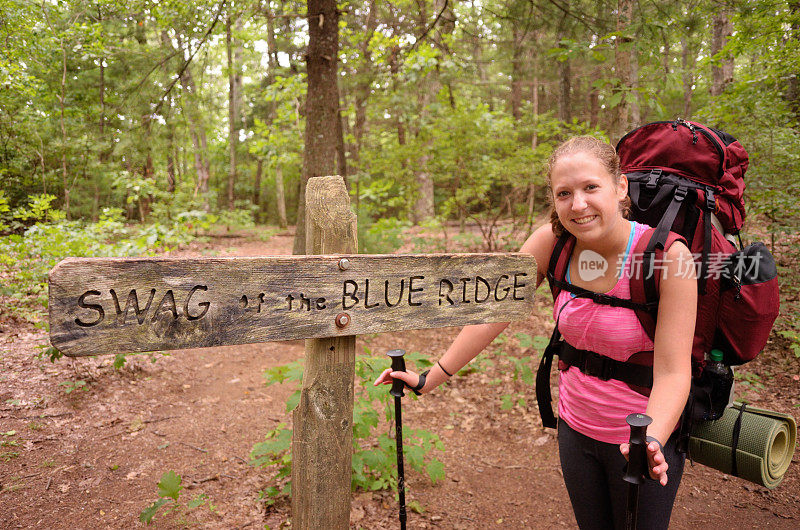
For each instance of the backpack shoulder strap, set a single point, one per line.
(559, 261)
(646, 270)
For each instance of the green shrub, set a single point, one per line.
(374, 459)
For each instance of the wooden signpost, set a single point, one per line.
(146, 304)
(104, 305)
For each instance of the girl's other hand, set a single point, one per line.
(656, 462)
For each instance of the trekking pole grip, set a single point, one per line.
(398, 365)
(637, 456)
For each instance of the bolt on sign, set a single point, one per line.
(100, 305)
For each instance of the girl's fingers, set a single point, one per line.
(388, 376)
(383, 378)
(409, 378)
(656, 461)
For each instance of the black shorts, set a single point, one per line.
(593, 474)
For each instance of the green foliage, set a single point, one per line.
(28, 257)
(374, 458)
(71, 386)
(747, 382)
(237, 218)
(794, 341)
(6, 456)
(169, 492)
(374, 466)
(538, 342)
(48, 351)
(275, 451)
(383, 236)
(4, 209)
(521, 367)
(170, 485)
(430, 236)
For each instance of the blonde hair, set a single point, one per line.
(603, 152)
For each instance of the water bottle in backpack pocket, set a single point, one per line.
(717, 378)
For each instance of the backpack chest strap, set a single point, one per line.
(601, 298)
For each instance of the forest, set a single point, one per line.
(163, 119)
(144, 128)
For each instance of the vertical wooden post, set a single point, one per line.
(323, 430)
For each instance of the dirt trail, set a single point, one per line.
(92, 458)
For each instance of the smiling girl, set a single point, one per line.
(589, 196)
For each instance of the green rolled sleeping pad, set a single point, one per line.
(766, 444)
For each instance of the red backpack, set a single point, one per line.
(687, 181)
(688, 178)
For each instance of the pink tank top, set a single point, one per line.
(590, 406)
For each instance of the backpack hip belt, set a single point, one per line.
(638, 376)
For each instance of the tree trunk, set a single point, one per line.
(272, 51)
(196, 129)
(516, 72)
(564, 75)
(341, 152)
(364, 78)
(233, 134)
(394, 68)
(793, 84)
(180, 156)
(665, 59)
(633, 82)
(477, 56)
(535, 135)
(102, 124)
(172, 166)
(445, 27)
(721, 67)
(623, 49)
(688, 59)
(280, 196)
(594, 97)
(62, 96)
(423, 208)
(200, 144)
(171, 179)
(257, 188)
(322, 103)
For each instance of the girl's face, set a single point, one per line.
(586, 197)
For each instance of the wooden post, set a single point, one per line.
(323, 431)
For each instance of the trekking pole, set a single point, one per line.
(399, 365)
(637, 465)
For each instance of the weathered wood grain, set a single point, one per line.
(323, 431)
(113, 305)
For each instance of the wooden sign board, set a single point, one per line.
(121, 305)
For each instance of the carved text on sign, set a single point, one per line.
(192, 310)
(101, 305)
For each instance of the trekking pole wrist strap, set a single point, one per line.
(420, 383)
(654, 439)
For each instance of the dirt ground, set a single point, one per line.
(91, 458)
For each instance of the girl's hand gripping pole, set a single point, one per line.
(398, 365)
(637, 464)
